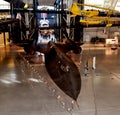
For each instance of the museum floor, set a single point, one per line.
(22, 92)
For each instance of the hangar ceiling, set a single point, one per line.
(103, 3)
(51, 2)
(41, 2)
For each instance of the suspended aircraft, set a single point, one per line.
(86, 13)
(90, 22)
(98, 20)
(92, 17)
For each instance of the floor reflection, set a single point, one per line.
(109, 51)
(8, 69)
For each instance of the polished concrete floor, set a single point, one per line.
(26, 90)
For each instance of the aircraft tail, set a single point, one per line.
(75, 10)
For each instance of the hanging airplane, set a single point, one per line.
(90, 22)
(99, 20)
(92, 17)
(75, 10)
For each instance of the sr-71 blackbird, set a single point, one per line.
(60, 67)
